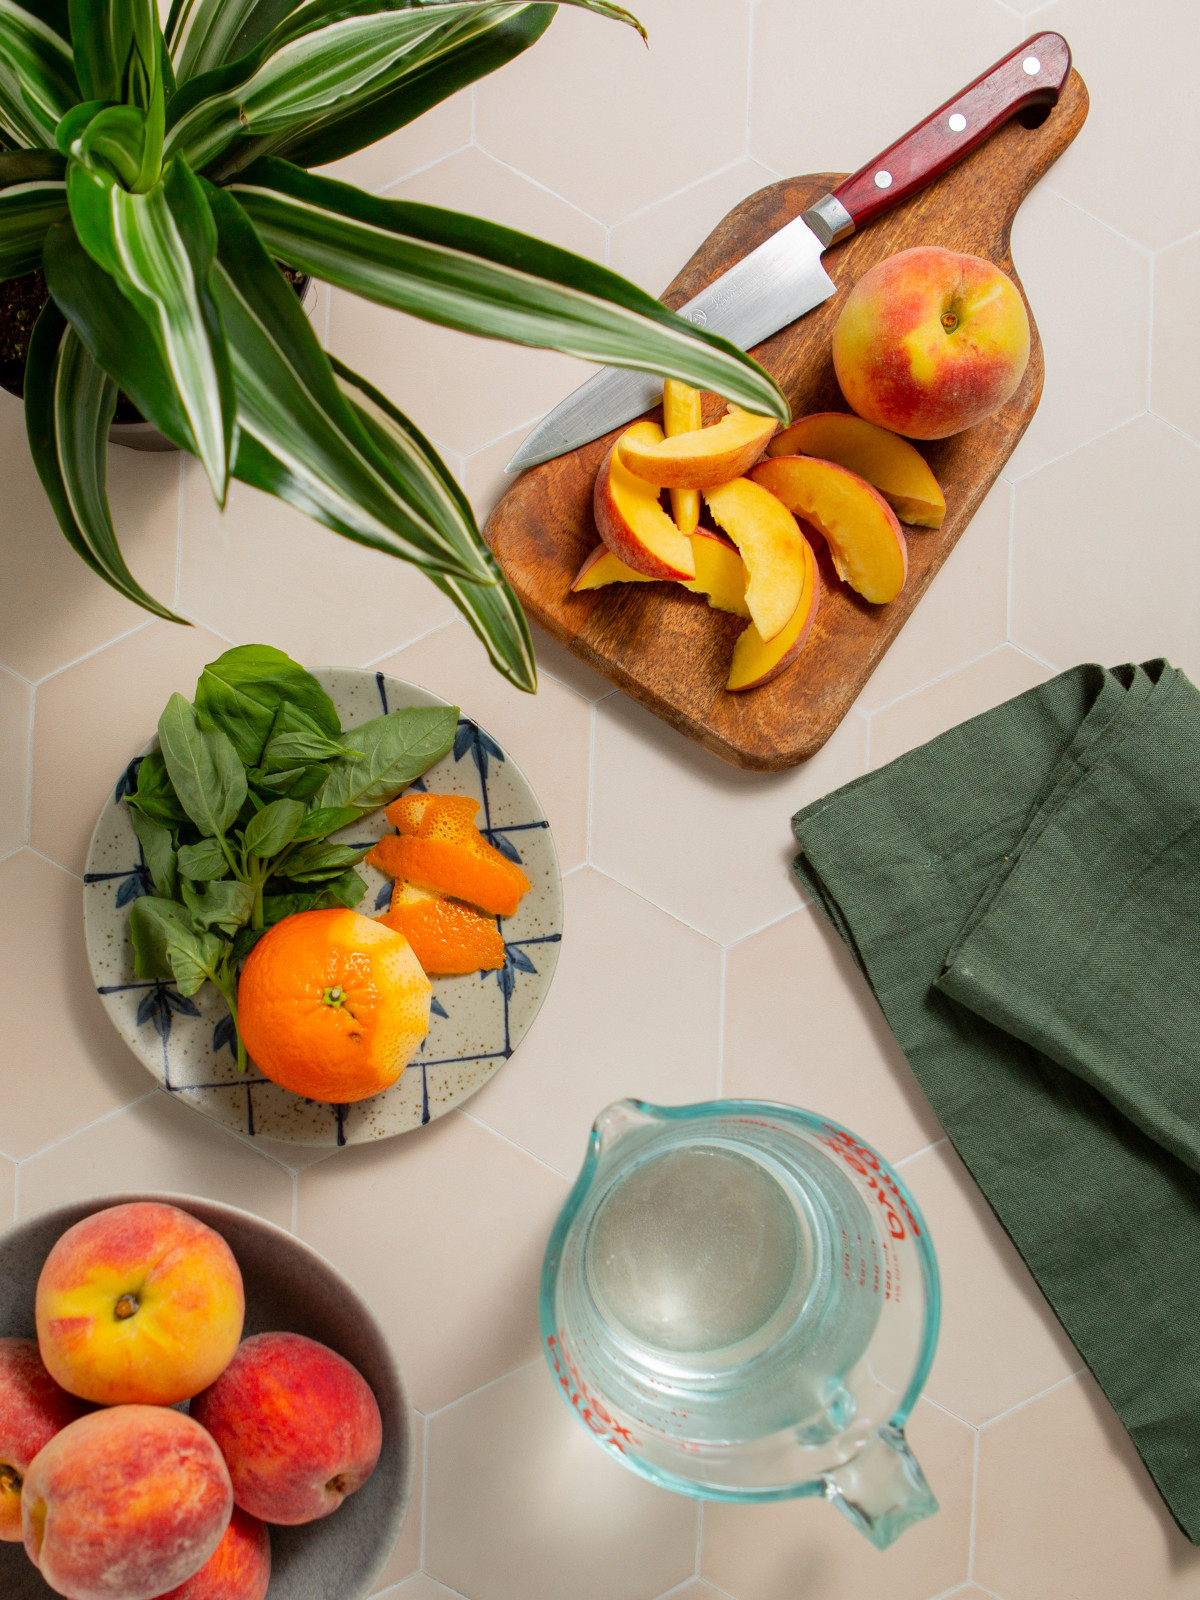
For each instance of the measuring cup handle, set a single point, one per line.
(883, 1490)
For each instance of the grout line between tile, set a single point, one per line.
(974, 1504)
(721, 1029)
(50, 861)
(437, 1411)
(415, 172)
(920, 688)
(1033, 656)
(645, 898)
(1001, 1416)
(1053, 461)
(1103, 222)
(395, 650)
(27, 830)
(424, 1485)
(925, 1148)
(1174, 427)
(85, 1127)
(538, 184)
(87, 655)
(504, 1138)
(686, 188)
(591, 791)
(754, 932)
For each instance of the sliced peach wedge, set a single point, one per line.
(630, 520)
(888, 462)
(681, 414)
(757, 660)
(701, 457)
(720, 572)
(772, 546)
(860, 528)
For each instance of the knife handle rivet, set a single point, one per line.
(883, 180)
(1031, 65)
(957, 122)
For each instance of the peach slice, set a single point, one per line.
(631, 522)
(888, 462)
(757, 660)
(772, 547)
(681, 414)
(720, 572)
(703, 456)
(860, 528)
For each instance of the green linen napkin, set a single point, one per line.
(1023, 895)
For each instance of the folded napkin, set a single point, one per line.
(1023, 895)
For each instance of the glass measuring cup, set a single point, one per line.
(740, 1301)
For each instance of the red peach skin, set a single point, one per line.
(238, 1569)
(297, 1424)
(32, 1410)
(125, 1504)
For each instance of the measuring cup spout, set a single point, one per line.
(614, 1125)
(883, 1490)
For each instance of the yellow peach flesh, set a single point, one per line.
(772, 547)
(681, 414)
(629, 518)
(887, 462)
(757, 660)
(702, 457)
(860, 528)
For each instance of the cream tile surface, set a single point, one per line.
(690, 964)
(393, 1215)
(406, 1557)
(523, 1506)
(634, 1010)
(1110, 1537)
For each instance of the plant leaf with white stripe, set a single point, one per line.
(481, 278)
(203, 34)
(492, 609)
(37, 77)
(69, 404)
(159, 247)
(299, 439)
(27, 212)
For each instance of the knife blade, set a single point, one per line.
(783, 277)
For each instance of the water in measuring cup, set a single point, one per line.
(727, 1291)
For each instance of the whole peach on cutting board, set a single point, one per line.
(297, 1425)
(930, 342)
(138, 1304)
(125, 1504)
(33, 1408)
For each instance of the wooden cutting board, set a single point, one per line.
(669, 649)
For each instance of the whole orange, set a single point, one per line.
(332, 1005)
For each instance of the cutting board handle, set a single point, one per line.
(1031, 75)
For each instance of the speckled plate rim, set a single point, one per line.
(477, 1020)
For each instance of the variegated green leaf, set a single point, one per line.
(493, 610)
(27, 212)
(159, 247)
(69, 404)
(299, 439)
(480, 278)
(119, 58)
(37, 77)
(323, 75)
(203, 34)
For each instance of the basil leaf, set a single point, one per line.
(278, 906)
(203, 861)
(225, 905)
(166, 944)
(346, 890)
(296, 739)
(274, 827)
(242, 691)
(155, 796)
(306, 783)
(158, 852)
(320, 859)
(319, 824)
(395, 749)
(281, 782)
(203, 766)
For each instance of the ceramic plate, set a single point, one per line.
(477, 1019)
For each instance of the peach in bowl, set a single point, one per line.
(290, 1292)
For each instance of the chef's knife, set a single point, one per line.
(783, 278)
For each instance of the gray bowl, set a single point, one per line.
(288, 1287)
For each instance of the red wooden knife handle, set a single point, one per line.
(1033, 74)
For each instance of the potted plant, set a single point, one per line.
(159, 177)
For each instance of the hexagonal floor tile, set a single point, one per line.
(1133, 89)
(1000, 1343)
(548, 734)
(945, 703)
(390, 1215)
(1105, 557)
(962, 613)
(63, 1065)
(610, 161)
(651, 247)
(266, 572)
(821, 102)
(1090, 292)
(524, 1505)
(802, 1026)
(1173, 390)
(406, 1557)
(435, 134)
(157, 1144)
(53, 608)
(634, 1010)
(805, 1547)
(16, 724)
(420, 1587)
(708, 841)
(8, 1191)
(1109, 1538)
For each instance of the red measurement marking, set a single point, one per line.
(883, 1186)
(592, 1411)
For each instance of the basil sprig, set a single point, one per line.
(235, 809)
